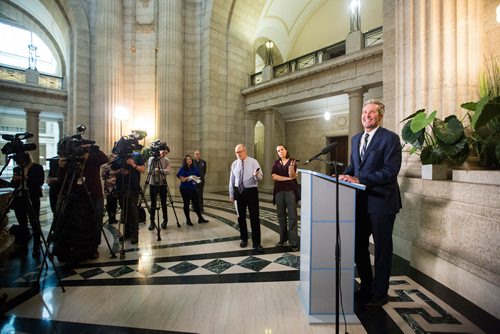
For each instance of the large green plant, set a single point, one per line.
(435, 140)
(485, 118)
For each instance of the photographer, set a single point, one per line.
(159, 167)
(87, 185)
(128, 168)
(34, 178)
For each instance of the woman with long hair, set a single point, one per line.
(284, 174)
(190, 176)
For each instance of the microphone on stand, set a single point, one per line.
(327, 149)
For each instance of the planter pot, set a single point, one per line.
(435, 172)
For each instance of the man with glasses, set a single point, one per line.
(243, 181)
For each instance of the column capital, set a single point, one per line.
(32, 111)
(356, 91)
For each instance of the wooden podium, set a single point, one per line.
(317, 246)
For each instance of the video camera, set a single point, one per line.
(157, 146)
(126, 145)
(16, 147)
(72, 147)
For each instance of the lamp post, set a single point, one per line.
(121, 114)
(269, 52)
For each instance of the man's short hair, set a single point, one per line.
(380, 104)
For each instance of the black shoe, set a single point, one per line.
(295, 248)
(280, 244)
(202, 220)
(376, 303)
(134, 240)
(94, 255)
(164, 225)
(151, 226)
(243, 244)
(178, 225)
(258, 247)
(189, 224)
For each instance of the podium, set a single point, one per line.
(317, 246)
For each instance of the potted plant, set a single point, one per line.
(485, 118)
(436, 141)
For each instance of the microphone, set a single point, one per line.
(327, 149)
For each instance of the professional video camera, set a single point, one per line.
(16, 147)
(73, 147)
(157, 146)
(126, 145)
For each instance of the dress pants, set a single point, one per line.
(249, 198)
(381, 227)
(190, 195)
(286, 200)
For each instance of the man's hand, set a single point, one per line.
(348, 178)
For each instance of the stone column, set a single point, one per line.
(269, 148)
(249, 140)
(355, 108)
(170, 77)
(104, 128)
(32, 125)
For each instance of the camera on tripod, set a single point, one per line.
(156, 147)
(126, 145)
(73, 147)
(15, 147)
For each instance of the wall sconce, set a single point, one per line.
(121, 114)
(269, 52)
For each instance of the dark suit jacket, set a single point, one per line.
(378, 171)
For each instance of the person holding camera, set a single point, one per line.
(87, 185)
(128, 178)
(159, 167)
(34, 177)
(190, 177)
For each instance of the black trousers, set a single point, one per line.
(188, 196)
(154, 191)
(22, 215)
(249, 198)
(380, 226)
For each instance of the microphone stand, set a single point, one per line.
(337, 243)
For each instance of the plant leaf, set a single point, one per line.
(420, 121)
(489, 110)
(415, 139)
(413, 115)
(449, 130)
(431, 156)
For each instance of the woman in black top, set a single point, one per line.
(284, 174)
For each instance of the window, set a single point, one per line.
(15, 49)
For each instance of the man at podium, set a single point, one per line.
(375, 162)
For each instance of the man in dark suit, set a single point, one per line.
(201, 164)
(375, 162)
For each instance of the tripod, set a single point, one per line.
(59, 231)
(156, 166)
(41, 247)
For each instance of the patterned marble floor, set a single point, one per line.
(198, 280)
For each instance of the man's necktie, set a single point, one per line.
(365, 144)
(240, 182)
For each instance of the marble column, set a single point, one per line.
(170, 77)
(104, 128)
(32, 125)
(355, 108)
(269, 148)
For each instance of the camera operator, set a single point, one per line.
(53, 182)
(90, 161)
(34, 178)
(157, 186)
(128, 169)
(109, 179)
